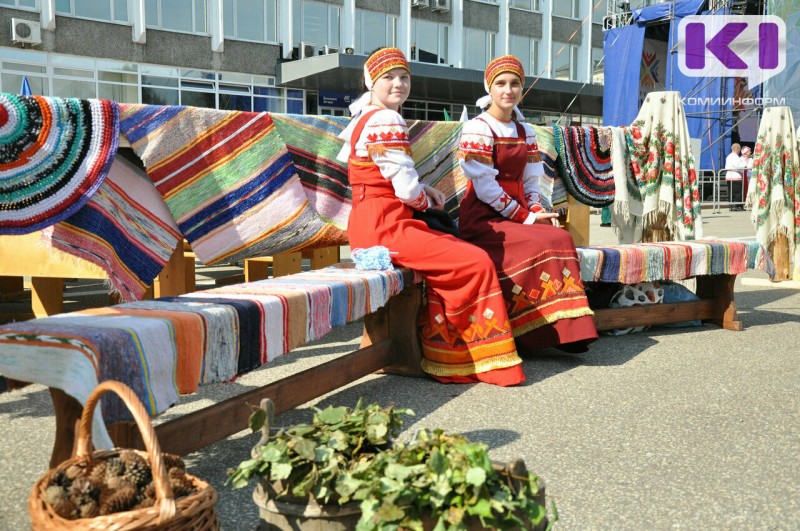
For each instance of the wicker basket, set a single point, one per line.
(193, 512)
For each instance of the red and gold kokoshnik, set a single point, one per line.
(501, 65)
(384, 60)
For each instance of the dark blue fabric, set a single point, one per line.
(622, 74)
(664, 11)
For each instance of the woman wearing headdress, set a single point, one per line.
(501, 212)
(464, 329)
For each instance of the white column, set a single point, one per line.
(546, 44)
(286, 27)
(216, 26)
(139, 33)
(502, 30)
(47, 17)
(404, 28)
(457, 34)
(585, 51)
(348, 26)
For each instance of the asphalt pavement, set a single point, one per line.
(688, 428)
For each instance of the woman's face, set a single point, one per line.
(392, 88)
(506, 91)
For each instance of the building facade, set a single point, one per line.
(303, 56)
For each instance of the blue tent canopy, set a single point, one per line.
(666, 10)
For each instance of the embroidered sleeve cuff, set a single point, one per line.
(520, 215)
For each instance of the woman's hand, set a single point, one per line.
(551, 218)
(437, 198)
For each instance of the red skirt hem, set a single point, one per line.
(506, 377)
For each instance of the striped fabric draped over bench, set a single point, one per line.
(647, 262)
(170, 346)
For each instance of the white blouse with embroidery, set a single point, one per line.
(385, 139)
(475, 154)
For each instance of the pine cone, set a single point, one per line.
(173, 461)
(138, 473)
(60, 479)
(82, 487)
(118, 483)
(180, 482)
(114, 467)
(97, 471)
(121, 500)
(88, 510)
(54, 493)
(129, 456)
(66, 509)
(74, 471)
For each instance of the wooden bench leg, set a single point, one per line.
(68, 414)
(719, 288)
(47, 296)
(398, 321)
(324, 257)
(172, 280)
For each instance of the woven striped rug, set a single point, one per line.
(584, 162)
(227, 179)
(125, 228)
(647, 262)
(54, 154)
(551, 185)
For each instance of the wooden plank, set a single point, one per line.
(222, 420)
(287, 263)
(172, 280)
(578, 221)
(47, 296)
(649, 314)
(257, 268)
(11, 288)
(324, 257)
(778, 250)
(31, 258)
(719, 289)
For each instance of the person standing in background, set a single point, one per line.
(733, 178)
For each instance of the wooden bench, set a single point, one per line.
(389, 344)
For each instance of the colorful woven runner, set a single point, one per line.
(647, 262)
(125, 228)
(584, 162)
(551, 185)
(227, 179)
(54, 154)
(658, 143)
(773, 191)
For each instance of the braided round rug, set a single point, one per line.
(584, 160)
(54, 154)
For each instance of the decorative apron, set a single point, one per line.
(465, 331)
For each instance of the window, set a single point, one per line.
(16, 64)
(527, 5)
(479, 46)
(429, 42)
(176, 15)
(565, 64)
(527, 51)
(31, 4)
(422, 110)
(600, 11)
(382, 31)
(597, 66)
(315, 23)
(567, 8)
(112, 10)
(251, 20)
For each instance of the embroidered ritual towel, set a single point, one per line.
(662, 162)
(628, 207)
(773, 190)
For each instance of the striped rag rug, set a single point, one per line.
(227, 179)
(313, 143)
(125, 228)
(584, 162)
(170, 346)
(551, 185)
(54, 154)
(647, 262)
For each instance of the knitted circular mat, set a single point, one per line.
(584, 161)
(54, 154)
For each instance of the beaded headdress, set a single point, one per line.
(382, 61)
(501, 65)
